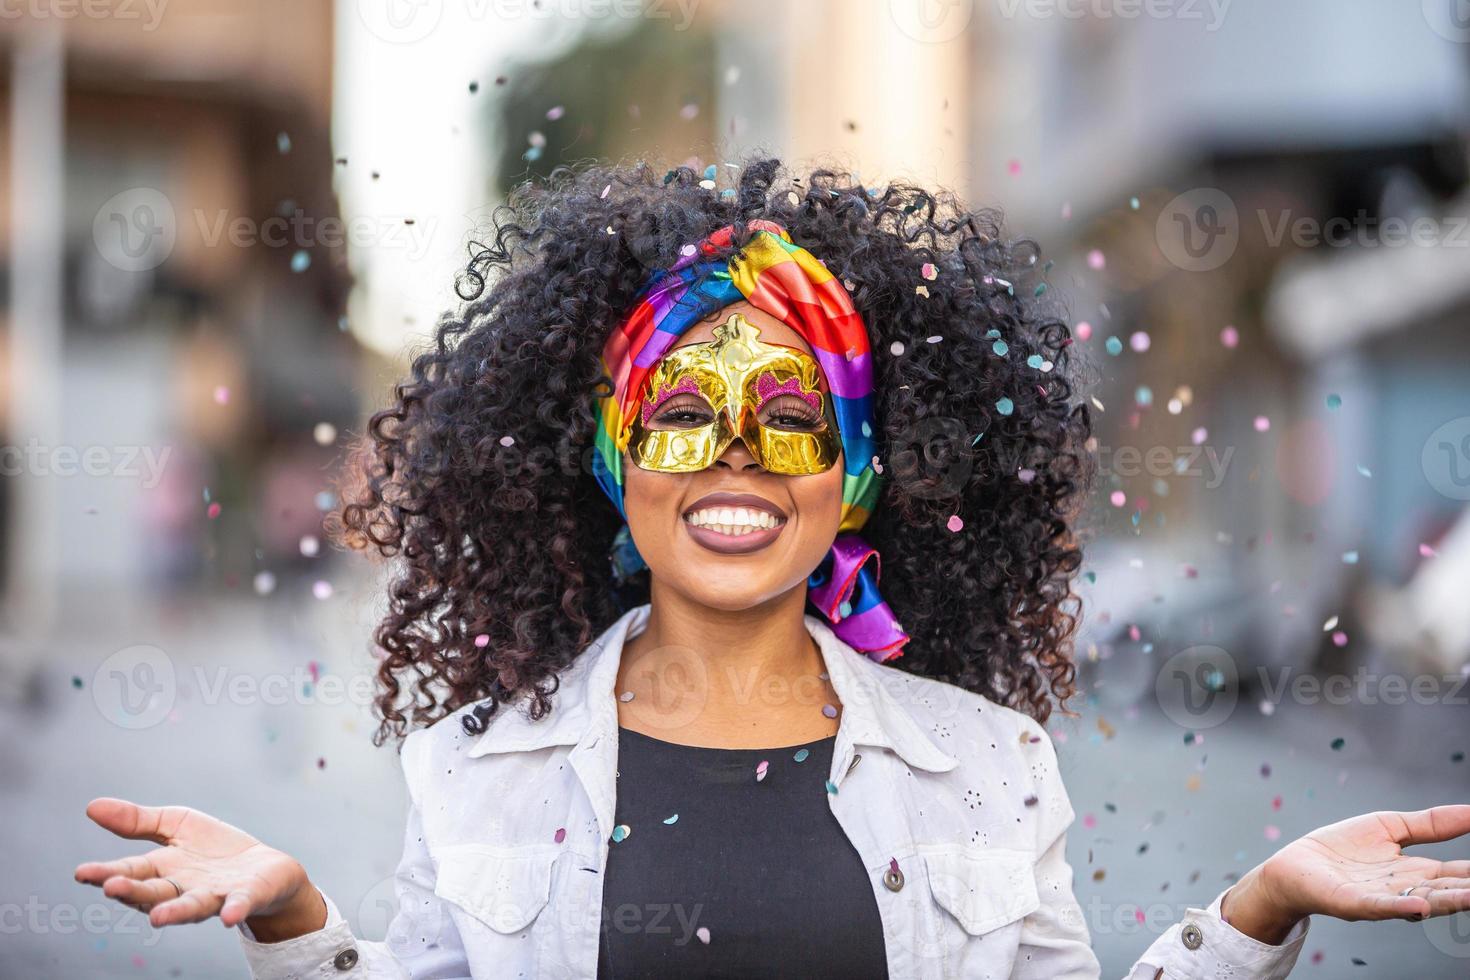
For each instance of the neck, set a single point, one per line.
(703, 675)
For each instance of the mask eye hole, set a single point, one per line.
(791, 413)
(682, 411)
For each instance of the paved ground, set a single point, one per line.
(251, 738)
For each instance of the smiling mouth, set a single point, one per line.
(734, 523)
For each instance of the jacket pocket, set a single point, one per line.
(505, 888)
(982, 889)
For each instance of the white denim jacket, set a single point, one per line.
(963, 794)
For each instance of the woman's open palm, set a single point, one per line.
(202, 868)
(1356, 869)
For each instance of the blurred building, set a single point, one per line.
(168, 346)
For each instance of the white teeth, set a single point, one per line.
(735, 521)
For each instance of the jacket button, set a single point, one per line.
(1191, 937)
(346, 959)
(893, 879)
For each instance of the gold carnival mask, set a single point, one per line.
(701, 396)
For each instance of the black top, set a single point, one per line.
(762, 865)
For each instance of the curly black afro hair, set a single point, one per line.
(477, 481)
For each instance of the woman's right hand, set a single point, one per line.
(204, 868)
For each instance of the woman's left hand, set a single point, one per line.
(1355, 869)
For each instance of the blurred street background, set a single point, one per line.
(227, 223)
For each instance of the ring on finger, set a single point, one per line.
(177, 887)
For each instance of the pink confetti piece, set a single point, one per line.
(1425, 551)
(560, 835)
(1273, 832)
(1230, 337)
(222, 395)
(1118, 498)
(703, 934)
(956, 524)
(1089, 821)
(1262, 423)
(1139, 341)
(482, 641)
(322, 589)
(1276, 803)
(929, 271)
(625, 697)
(1198, 436)
(213, 510)
(507, 441)
(1339, 638)
(760, 770)
(1013, 167)
(1096, 261)
(555, 112)
(1084, 330)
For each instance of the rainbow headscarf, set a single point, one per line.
(788, 282)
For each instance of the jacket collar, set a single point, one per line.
(585, 709)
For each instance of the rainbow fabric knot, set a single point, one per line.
(786, 281)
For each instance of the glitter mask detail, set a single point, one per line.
(737, 374)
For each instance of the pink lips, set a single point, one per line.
(733, 544)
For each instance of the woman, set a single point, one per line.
(648, 718)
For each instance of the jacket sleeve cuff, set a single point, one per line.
(330, 951)
(1203, 946)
